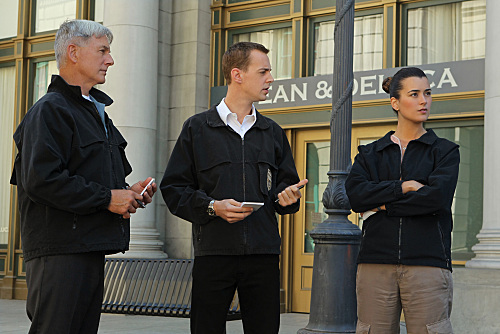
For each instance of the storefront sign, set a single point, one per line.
(445, 78)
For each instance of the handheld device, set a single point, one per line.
(146, 187)
(142, 205)
(255, 205)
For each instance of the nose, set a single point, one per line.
(109, 60)
(270, 78)
(423, 99)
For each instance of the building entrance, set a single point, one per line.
(312, 157)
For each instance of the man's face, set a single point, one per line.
(257, 79)
(94, 58)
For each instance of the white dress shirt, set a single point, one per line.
(231, 119)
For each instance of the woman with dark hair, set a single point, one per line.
(403, 185)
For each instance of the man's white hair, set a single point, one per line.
(78, 32)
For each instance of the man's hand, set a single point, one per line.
(231, 210)
(291, 194)
(124, 202)
(138, 187)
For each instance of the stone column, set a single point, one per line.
(132, 84)
(184, 90)
(488, 249)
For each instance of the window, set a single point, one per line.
(368, 44)
(7, 96)
(279, 43)
(317, 167)
(50, 14)
(444, 33)
(43, 73)
(8, 17)
(467, 208)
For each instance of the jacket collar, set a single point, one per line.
(214, 120)
(58, 84)
(427, 138)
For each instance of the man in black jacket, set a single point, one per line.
(70, 174)
(225, 156)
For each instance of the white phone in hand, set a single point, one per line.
(255, 205)
(146, 187)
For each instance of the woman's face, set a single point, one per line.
(414, 101)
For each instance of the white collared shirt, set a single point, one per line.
(231, 119)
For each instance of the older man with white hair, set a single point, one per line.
(70, 174)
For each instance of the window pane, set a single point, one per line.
(467, 208)
(43, 73)
(368, 44)
(8, 17)
(279, 43)
(7, 95)
(50, 14)
(317, 167)
(445, 33)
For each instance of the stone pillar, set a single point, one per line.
(488, 249)
(184, 90)
(132, 84)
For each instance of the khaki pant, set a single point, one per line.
(423, 293)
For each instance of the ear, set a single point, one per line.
(394, 103)
(72, 53)
(236, 75)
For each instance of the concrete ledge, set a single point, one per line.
(476, 301)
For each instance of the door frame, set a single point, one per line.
(293, 225)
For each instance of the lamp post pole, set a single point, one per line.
(333, 296)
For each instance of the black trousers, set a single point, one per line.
(65, 293)
(215, 279)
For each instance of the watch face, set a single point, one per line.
(210, 209)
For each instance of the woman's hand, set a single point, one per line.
(411, 186)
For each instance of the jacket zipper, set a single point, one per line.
(442, 245)
(244, 187)
(101, 125)
(110, 147)
(400, 228)
(401, 218)
(243, 164)
(74, 221)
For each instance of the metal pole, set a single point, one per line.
(333, 296)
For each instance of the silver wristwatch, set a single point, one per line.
(210, 209)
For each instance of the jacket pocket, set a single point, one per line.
(219, 177)
(422, 239)
(380, 238)
(440, 327)
(90, 146)
(362, 328)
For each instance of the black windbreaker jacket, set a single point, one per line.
(211, 161)
(416, 227)
(64, 171)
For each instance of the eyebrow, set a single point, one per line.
(265, 69)
(418, 90)
(105, 47)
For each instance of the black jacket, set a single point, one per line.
(64, 172)
(211, 161)
(416, 228)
